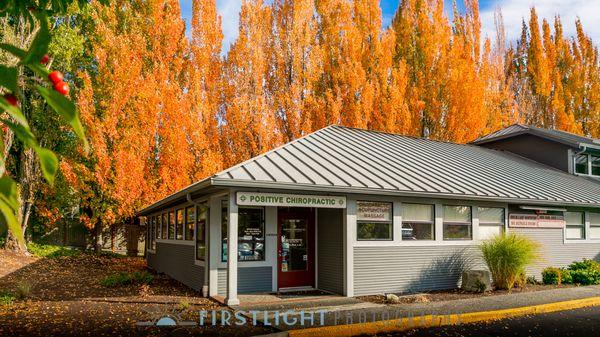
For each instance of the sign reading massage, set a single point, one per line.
(289, 200)
(536, 221)
(373, 211)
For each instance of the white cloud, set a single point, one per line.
(230, 17)
(514, 11)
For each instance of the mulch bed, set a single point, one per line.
(66, 298)
(457, 294)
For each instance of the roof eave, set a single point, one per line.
(177, 195)
(357, 190)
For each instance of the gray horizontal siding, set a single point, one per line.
(250, 280)
(411, 268)
(556, 253)
(177, 261)
(330, 246)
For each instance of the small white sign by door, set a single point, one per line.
(289, 200)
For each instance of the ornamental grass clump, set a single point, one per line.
(507, 256)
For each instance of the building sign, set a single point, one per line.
(289, 200)
(373, 211)
(536, 221)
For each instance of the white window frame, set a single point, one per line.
(432, 223)
(390, 222)
(589, 164)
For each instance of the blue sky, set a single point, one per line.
(513, 12)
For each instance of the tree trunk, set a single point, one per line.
(12, 244)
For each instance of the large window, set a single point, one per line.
(595, 165)
(491, 222)
(418, 222)
(179, 224)
(457, 223)
(594, 225)
(158, 226)
(575, 226)
(581, 164)
(171, 225)
(165, 226)
(374, 221)
(201, 232)
(251, 233)
(153, 233)
(190, 222)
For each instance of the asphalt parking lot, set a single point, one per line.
(579, 322)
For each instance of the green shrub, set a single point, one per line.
(586, 276)
(565, 275)
(552, 275)
(507, 256)
(122, 279)
(586, 264)
(51, 251)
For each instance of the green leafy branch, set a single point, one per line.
(15, 120)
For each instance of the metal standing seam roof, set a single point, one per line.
(564, 137)
(348, 160)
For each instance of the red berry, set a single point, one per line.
(55, 77)
(12, 100)
(45, 59)
(62, 88)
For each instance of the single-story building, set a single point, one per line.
(358, 212)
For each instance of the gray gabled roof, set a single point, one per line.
(347, 160)
(566, 138)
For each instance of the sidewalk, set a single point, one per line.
(356, 312)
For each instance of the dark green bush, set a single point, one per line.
(6, 298)
(586, 264)
(551, 275)
(586, 276)
(123, 279)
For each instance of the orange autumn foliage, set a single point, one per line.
(164, 109)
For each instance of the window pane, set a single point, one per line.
(374, 231)
(224, 219)
(158, 226)
(294, 245)
(491, 215)
(457, 232)
(457, 214)
(575, 232)
(190, 221)
(417, 212)
(595, 165)
(373, 211)
(165, 226)
(179, 227)
(171, 225)
(489, 231)
(251, 234)
(595, 219)
(417, 231)
(581, 163)
(595, 232)
(574, 218)
(201, 232)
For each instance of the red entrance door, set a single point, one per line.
(296, 247)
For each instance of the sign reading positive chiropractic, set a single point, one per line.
(289, 200)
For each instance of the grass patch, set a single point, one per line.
(123, 279)
(507, 256)
(51, 251)
(6, 298)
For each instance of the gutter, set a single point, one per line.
(358, 190)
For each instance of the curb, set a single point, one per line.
(403, 324)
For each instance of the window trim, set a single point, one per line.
(390, 222)
(491, 224)
(592, 225)
(186, 223)
(203, 236)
